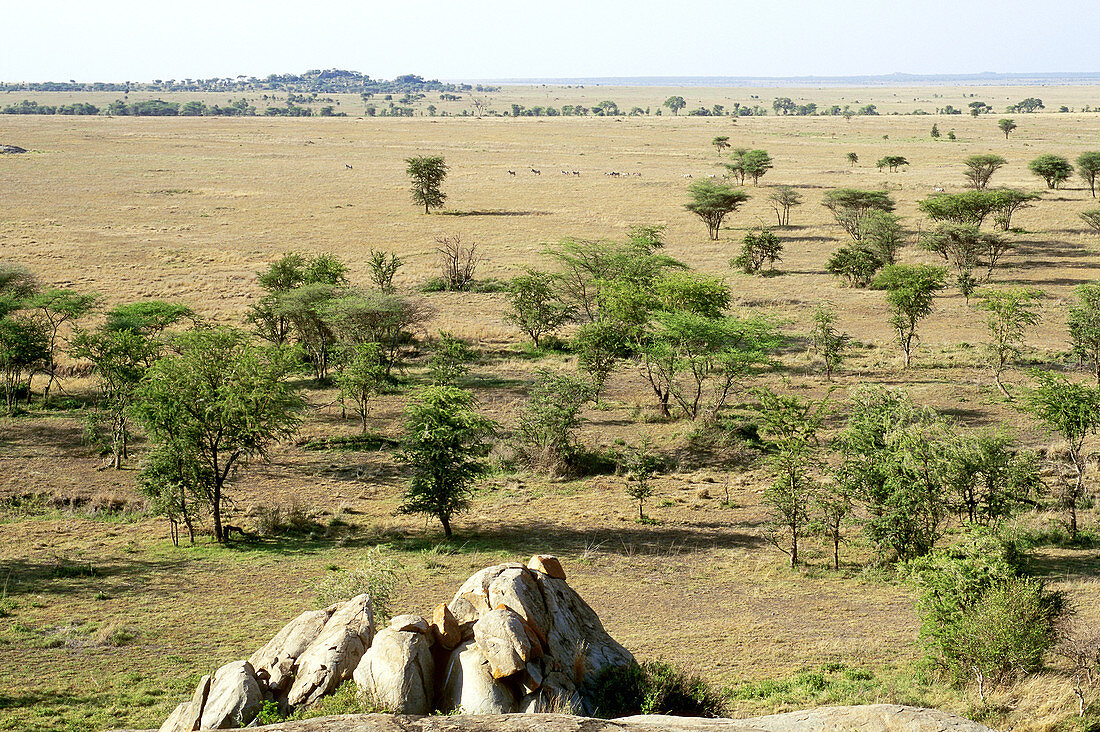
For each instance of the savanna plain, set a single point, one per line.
(106, 623)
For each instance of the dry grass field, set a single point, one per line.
(109, 625)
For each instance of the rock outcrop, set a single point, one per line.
(398, 673)
(11, 150)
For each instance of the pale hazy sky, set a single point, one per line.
(141, 40)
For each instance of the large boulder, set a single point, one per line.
(332, 657)
(397, 672)
(501, 637)
(445, 628)
(518, 590)
(186, 717)
(472, 599)
(277, 662)
(468, 684)
(11, 150)
(234, 698)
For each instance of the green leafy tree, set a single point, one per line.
(935, 131)
(891, 162)
(894, 462)
(24, 346)
(967, 207)
(721, 143)
(362, 378)
(758, 248)
(852, 158)
(450, 359)
(599, 346)
(910, 293)
(1088, 167)
(1073, 411)
(736, 167)
(445, 443)
(640, 466)
(57, 308)
(783, 199)
(849, 205)
(1054, 169)
(1028, 105)
(1010, 314)
(383, 268)
(792, 425)
(980, 168)
(675, 104)
(1006, 126)
(1092, 218)
(882, 233)
(991, 476)
(1006, 202)
(427, 173)
(828, 340)
(755, 163)
(857, 264)
(374, 317)
(712, 201)
(222, 401)
(1084, 325)
(535, 307)
(545, 438)
(965, 247)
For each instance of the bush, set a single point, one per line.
(758, 248)
(544, 438)
(377, 577)
(654, 687)
(856, 264)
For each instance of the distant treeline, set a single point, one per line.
(332, 81)
(161, 108)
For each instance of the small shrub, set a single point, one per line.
(758, 248)
(856, 264)
(654, 687)
(457, 262)
(383, 267)
(377, 577)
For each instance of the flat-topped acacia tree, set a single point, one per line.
(711, 202)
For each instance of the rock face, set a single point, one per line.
(333, 655)
(277, 662)
(397, 672)
(234, 697)
(11, 150)
(468, 684)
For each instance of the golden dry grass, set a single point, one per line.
(190, 208)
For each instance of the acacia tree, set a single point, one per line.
(1054, 169)
(444, 445)
(362, 377)
(966, 247)
(1088, 167)
(755, 163)
(1084, 325)
(793, 425)
(1011, 313)
(535, 307)
(849, 205)
(910, 292)
(980, 168)
(967, 207)
(712, 201)
(221, 401)
(721, 143)
(675, 103)
(1006, 202)
(828, 341)
(891, 162)
(1073, 411)
(56, 308)
(1006, 125)
(427, 173)
(783, 199)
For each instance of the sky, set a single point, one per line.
(143, 40)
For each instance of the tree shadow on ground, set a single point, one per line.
(494, 212)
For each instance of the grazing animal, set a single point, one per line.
(938, 189)
(511, 172)
(348, 166)
(576, 172)
(686, 175)
(565, 172)
(536, 172)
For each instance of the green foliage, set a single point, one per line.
(910, 292)
(220, 401)
(852, 158)
(1011, 312)
(783, 199)
(450, 359)
(712, 201)
(640, 464)
(599, 346)
(849, 205)
(721, 143)
(1073, 411)
(535, 307)
(383, 268)
(793, 425)
(707, 296)
(882, 233)
(1088, 167)
(1092, 218)
(980, 168)
(362, 377)
(654, 687)
(444, 444)
(979, 617)
(1006, 202)
(990, 476)
(965, 247)
(894, 463)
(375, 575)
(24, 345)
(1006, 125)
(56, 308)
(891, 162)
(755, 163)
(675, 103)
(544, 438)
(274, 316)
(857, 264)
(1054, 169)
(935, 131)
(427, 172)
(757, 248)
(828, 341)
(374, 317)
(1084, 325)
(965, 208)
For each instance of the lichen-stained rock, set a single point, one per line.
(503, 640)
(409, 624)
(517, 590)
(277, 661)
(472, 599)
(445, 628)
(576, 638)
(547, 565)
(468, 685)
(397, 672)
(186, 716)
(234, 697)
(333, 655)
